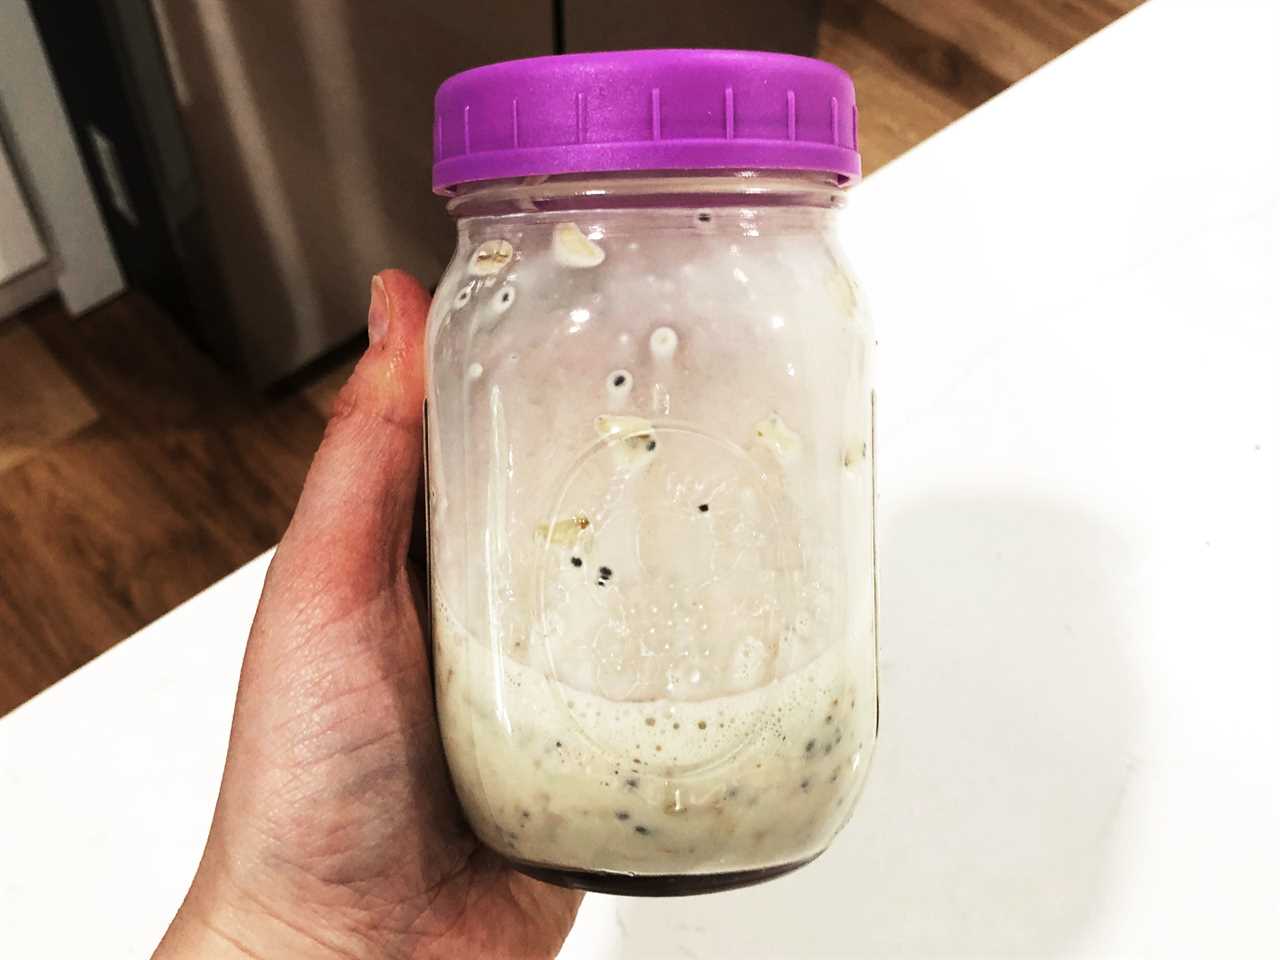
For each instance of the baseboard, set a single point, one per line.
(26, 288)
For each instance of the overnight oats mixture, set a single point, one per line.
(661, 659)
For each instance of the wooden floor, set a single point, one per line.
(134, 473)
(918, 65)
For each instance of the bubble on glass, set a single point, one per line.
(663, 343)
(748, 664)
(618, 386)
(503, 299)
(475, 371)
(463, 297)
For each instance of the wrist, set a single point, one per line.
(220, 924)
(190, 935)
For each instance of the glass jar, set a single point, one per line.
(651, 516)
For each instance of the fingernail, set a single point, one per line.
(379, 310)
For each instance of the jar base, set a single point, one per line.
(652, 885)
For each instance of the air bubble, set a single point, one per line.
(618, 386)
(504, 298)
(748, 661)
(463, 297)
(663, 343)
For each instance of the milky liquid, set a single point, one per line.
(541, 788)
(651, 509)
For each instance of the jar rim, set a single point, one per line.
(657, 188)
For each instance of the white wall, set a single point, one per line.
(42, 148)
(20, 246)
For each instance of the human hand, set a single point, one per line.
(337, 832)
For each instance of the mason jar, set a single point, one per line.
(650, 478)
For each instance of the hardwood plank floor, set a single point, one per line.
(918, 65)
(134, 473)
(39, 403)
(181, 477)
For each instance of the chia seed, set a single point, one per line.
(643, 831)
(704, 507)
(808, 747)
(622, 815)
(576, 561)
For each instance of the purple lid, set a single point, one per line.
(645, 110)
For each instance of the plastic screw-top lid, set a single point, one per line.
(645, 110)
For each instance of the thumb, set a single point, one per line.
(350, 533)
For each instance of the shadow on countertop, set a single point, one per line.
(1008, 709)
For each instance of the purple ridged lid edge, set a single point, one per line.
(645, 110)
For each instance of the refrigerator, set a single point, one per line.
(259, 161)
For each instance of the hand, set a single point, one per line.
(337, 832)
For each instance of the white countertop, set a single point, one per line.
(1080, 558)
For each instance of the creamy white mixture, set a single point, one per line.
(554, 776)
